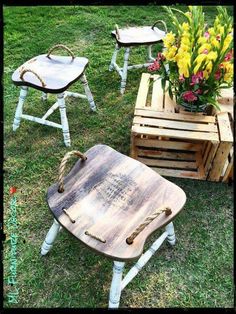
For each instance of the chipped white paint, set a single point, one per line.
(115, 290)
(19, 108)
(88, 92)
(64, 121)
(50, 237)
(171, 233)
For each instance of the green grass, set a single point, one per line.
(197, 272)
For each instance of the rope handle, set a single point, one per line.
(28, 70)
(62, 167)
(162, 22)
(117, 31)
(60, 46)
(147, 221)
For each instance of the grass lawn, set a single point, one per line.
(197, 272)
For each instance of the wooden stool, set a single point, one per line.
(51, 74)
(134, 36)
(112, 204)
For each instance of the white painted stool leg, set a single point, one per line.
(44, 96)
(124, 71)
(115, 290)
(171, 233)
(50, 237)
(64, 121)
(114, 56)
(88, 93)
(150, 57)
(19, 108)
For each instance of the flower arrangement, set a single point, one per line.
(197, 60)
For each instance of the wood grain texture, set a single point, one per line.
(58, 72)
(110, 194)
(138, 35)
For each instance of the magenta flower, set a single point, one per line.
(196, 79)
(217, 75)
(189, 96)
(155, 66)
(160, 57)
(229, 56)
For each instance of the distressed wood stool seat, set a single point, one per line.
(112, 204)
(52, 74)
(135, 36)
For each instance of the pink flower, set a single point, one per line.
(217, 75)
(181, 78)
(229, 56)
(155, 66)
(205, 51)
(189, 96)
(207, 35)
(197, 78)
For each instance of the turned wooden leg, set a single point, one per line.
(171, 233)
(115, 290)
(150, 57)
(50, 237)
(19, 108)
(88, 93)
(64, 121)
(114, 56)
(124, 71)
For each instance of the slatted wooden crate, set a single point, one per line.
(178, 144)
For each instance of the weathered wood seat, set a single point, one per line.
(52, 74)
(112, 204)
(110, 194)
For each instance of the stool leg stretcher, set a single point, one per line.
(60, 103)
(117, 284)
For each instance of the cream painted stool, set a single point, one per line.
(112, 204)
(52, 74)
(134, 36)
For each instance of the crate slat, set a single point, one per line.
(167, 144)
(143, 91)
(175, 133)
(176, 124)
(174, 116)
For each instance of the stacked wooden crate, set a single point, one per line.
(178, 144)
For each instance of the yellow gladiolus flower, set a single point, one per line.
(205, 74)
(228, 72)
(202, 40)
(211, 31)
(200, 58)
(185, 26)
(203, 47)
(209, 67)
(169, 39)
(185, 41)
(212, 55)
(215, 43)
